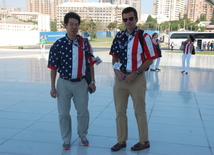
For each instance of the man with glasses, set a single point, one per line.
(132, 53)
(68, 57)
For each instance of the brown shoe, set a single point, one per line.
(140, 146)
(118, 146)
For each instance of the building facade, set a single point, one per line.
(44, 6)
(104, 13)
(47, 6)
(133, 3)
(42, 20)
(172, 9)
(198, 7)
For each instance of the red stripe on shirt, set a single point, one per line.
(80, 58)
(134, 51)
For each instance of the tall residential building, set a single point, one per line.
(43, 6)
(47, 6)
(154, 7)
(103, 13)
(172, 9)
(133, 3)
(198, 7)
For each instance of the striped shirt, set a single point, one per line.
(188, 48)
(68, 57)
(128, 49)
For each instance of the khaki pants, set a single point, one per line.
(136, 89)
(78, 91)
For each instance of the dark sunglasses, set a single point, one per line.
(130, 19)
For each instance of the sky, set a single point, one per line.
(146, 5)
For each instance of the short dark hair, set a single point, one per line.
(130, 9)
(71, 15)
(192, 38)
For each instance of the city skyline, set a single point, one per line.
(146, 6)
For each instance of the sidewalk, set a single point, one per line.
(180, 109)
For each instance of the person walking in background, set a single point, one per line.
(42, 43)
(68, 57)
(156, 62)
(204, 45)
(212, 45)
(172, 45)
(130, 59)
(187, 54)
(208, 45)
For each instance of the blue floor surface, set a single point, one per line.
(180, 108)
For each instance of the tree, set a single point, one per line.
(53, 26)
(212, 20)
(92, 30)
(121, 27)
(140, 26)
(112, 25)
(150, 23)
(84, 25)
(202, 29)
(99, 26)
(203, 17)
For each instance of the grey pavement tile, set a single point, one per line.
(177, 114)
(177, 129)
(176, 149)
(182, 139)
(176, 121)
(4, 114)
(211, 141)
(30, 147)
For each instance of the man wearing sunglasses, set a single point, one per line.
(132, 53)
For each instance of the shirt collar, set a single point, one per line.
(71, 41)
(133, 33)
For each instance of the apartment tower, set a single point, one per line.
(172, 9)
(47, 6)
(198, 7)
(133, 3)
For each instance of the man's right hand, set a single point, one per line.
(53, 92)
(119, 74)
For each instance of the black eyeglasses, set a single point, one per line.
(130, 19)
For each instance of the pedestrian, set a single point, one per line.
(172, 45)
(208, 45)
(204, 45)
(67, 56)
(130, 60)
(42, 43)
(212, 45)
(187, 54)
(156, 62)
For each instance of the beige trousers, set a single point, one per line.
(136, 89)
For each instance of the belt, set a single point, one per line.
(125, 72)
(72, 80)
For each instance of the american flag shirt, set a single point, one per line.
(187, 48)
(128, 49)
(68, 57)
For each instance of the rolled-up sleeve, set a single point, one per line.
(54, 59)
(149, 49)
(91, 59)
(115, 49)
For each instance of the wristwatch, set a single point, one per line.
(137, 72)
(93, 82)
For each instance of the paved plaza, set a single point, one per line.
(180, 108)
